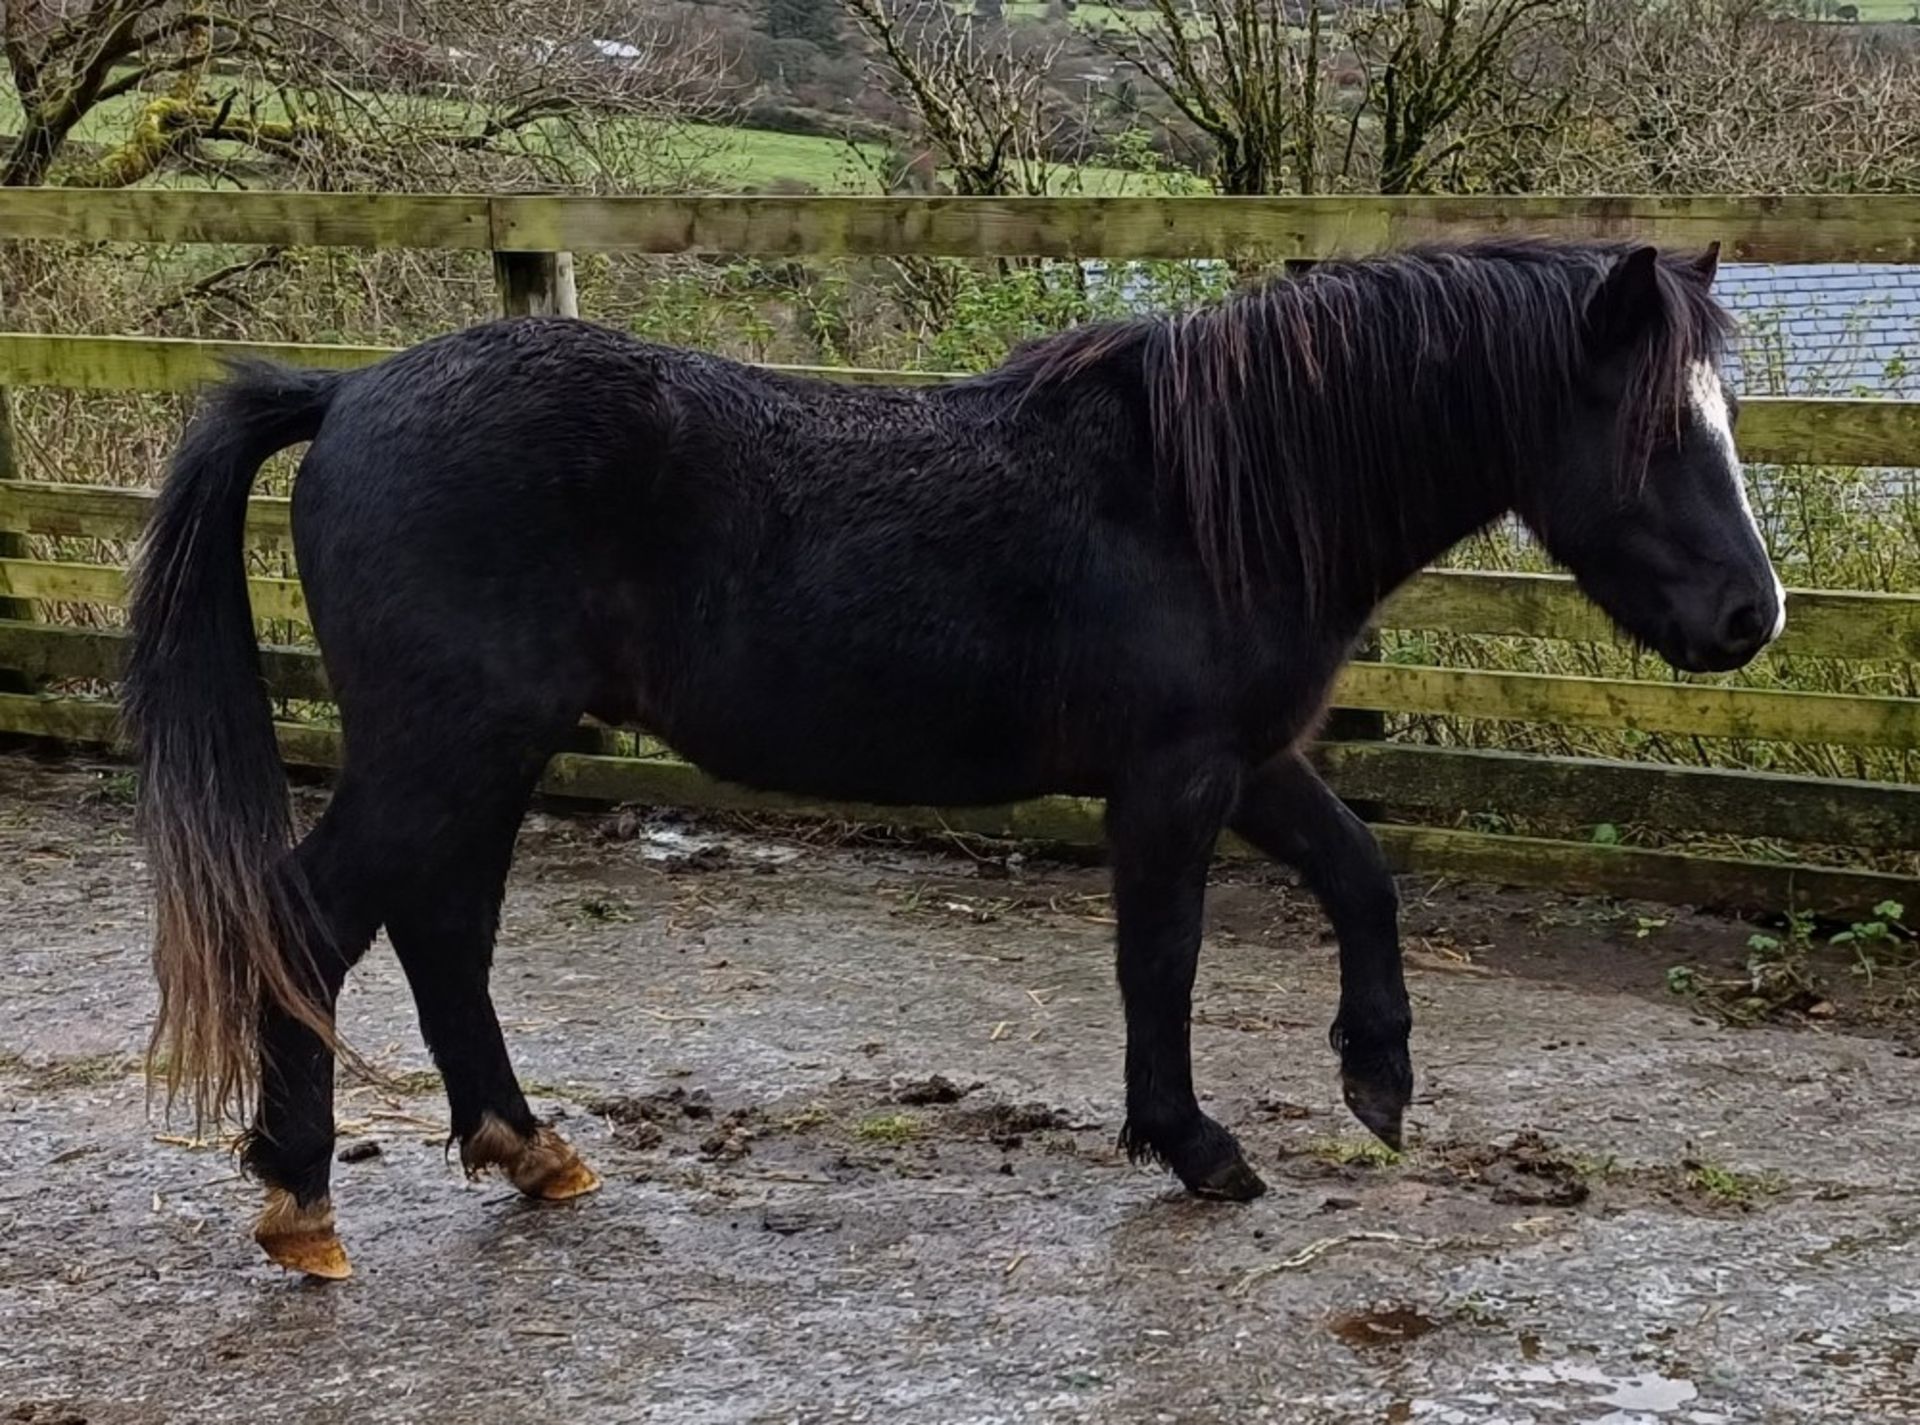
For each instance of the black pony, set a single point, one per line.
(1127, 564)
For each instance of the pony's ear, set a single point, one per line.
(1627, 301)
(1708, 263)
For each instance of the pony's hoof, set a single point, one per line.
(559, 1177)
(1377, 1091)
(302, 1239)
(1230, 1182)
(1380, 1111)
(545, 1166)
(1210, 1165)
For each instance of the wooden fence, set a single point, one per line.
(531, 239)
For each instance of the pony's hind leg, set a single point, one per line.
(444, 937)
(442, 922)
(289, 1147)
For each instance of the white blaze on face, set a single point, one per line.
(1709, 403)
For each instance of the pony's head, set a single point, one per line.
(1642, 497)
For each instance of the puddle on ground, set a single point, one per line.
(1388, 1326)
(1564, 1391)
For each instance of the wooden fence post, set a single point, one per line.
(535, 284)
(13, 543)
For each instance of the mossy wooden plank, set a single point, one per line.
(13, 545)
(14, 677)
(62, 583)
(1066, 820)
(1774, 430)
(1782, 431)
(1820, 622)
(45, 651)
(1793, 228)
(1495, 602)
(95, 722)
(113, 512)
(281, 219)
(153, 363)
(1829, 811)
(1701, 709)
(75, 720)
(106, 584)
(1578, 868)
(1585, 790)
(1836, 812)
(1566, 866)
(1845, 623)
(1823, 623)
(63, 651)
(1781, 229)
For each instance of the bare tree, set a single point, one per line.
(574, 93)
(1725, 96)
(1438, 80)
(1240, 74)
(302, 92)
(65, 63)
(1448, 79)
(977, 92)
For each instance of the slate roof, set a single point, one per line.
(1825, 330)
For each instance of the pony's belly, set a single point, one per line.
(842, 742)
(885, 766)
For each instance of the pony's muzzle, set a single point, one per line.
(1738, 621)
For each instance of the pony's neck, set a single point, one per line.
(1387, 521)
(1329, 437)
(1416, 518)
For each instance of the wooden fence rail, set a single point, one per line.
(1795, 228)
(1828, 811)
(1705, 710)
(1773, 430)
(1821, 623)
(74, 527)
(1564, 865)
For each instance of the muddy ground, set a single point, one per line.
(855, 1107)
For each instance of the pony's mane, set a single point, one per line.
(1293, 417)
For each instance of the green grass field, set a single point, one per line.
(1886, 11)
(757, 158)
(1091, 16)
(711, 157)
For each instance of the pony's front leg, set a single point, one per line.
(1162, 822)
(1291, 815)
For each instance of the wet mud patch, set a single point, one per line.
(1527, 1170)
(1800, 974)
(39, 1412)
(935, 1088)
(911, 1124)
(1523, 1171)
(1009, 1125)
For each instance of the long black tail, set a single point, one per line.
(214, 810)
